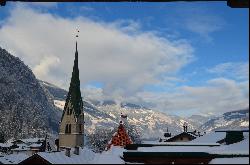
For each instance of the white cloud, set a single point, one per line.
(217, 96)
(43, 68)
(201, 21)
(108, 52)
(235, 70)
(120, 56)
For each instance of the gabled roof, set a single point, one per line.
(182, 134)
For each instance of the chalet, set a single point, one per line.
(185, 136)
(182, 137)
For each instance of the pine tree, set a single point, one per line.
(2, 138)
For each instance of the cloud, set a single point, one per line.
(117, 54)
(43, 68)
(217, 96)
(123, 58)
(201, 21)
(234, 70)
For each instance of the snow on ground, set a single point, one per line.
(241, 160)
(13, 158)
(59, 104)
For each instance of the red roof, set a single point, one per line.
(120, 138)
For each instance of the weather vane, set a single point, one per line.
(77, 35)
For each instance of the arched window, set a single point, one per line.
(69, 128)
(80, 128)
(66, 128)
(68, 111)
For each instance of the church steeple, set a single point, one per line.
(71, 131)
(74, 94)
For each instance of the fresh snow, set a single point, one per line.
(60, 104)
(13, 158)
(211, 137)
(240, 160)
(5, 144)
(112, 156)
(244, 124)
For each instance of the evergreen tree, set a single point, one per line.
(2, 138)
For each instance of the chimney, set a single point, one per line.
(67, 152)
(76, 151)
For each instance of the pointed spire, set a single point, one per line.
(76, 46)
(74, 94)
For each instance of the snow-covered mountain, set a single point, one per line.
(30, 108)
(198, 120)
(106, 114)
(25, 109)
(233, 120)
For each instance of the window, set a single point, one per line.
(68, 111)
(80, 128)
(68, 128)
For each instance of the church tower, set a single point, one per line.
(71, 133)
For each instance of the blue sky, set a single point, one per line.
(208, 43)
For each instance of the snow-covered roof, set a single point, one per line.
(13, 158)
(6, 144)
(35, 145)
(86, 156)
(239, 148)
(240, 160)
(212, 137)
(112, 156)
(28, 140)
(32, 140)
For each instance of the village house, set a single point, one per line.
(184, 136)
(202, 150)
